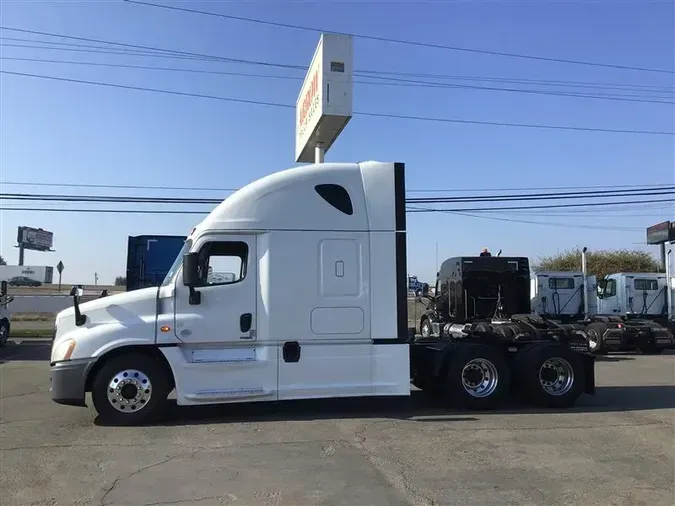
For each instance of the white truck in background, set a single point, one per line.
(341, 228)
(623, 311)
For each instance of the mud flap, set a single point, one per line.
(589, 367)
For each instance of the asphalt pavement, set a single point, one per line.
(613, 449)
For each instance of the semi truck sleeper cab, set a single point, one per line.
(338, 230)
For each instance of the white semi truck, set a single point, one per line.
(623, 311)
(341, 229)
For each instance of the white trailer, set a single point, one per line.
(342, 229)
(26, 275)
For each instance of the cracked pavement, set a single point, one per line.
(616, 448)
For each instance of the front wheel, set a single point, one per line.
(130, 389)
(550, 376)
(477, 377)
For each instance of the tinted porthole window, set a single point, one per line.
(336, 196)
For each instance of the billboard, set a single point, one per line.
(324, 105)
(35, 239)
(661, 233)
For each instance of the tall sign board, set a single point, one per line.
(325, 103)
(35, 239)
(661, 233)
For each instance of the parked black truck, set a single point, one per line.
(485, 300)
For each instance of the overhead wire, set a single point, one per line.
(381, 82)
(359, 113)
(150, 51)
(401, 41)
(419, 190)
(637, 192)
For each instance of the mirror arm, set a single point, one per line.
(80, 319)
(195, 296)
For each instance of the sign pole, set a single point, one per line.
(319, 152)
(59, 281)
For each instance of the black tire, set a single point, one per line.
(534, 379)
(469, 363)
(4, 332)
(595, 333)
(426, 325)
(138, 412)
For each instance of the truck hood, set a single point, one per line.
(124, 309)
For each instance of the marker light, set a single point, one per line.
(63, 351)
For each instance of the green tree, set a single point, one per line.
(600, 263)
(120, 281)
(2, 260)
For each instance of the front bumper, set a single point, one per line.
(68, 379)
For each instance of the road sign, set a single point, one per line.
(59, 267)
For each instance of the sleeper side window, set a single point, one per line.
(643, 284)
(337, 196)
(561, 283)
(222, 262)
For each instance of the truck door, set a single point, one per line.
(227, 311)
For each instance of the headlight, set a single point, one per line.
(63, 351)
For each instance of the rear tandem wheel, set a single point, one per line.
(550, 375)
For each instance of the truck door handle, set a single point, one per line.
(291, 351)
(245, 321)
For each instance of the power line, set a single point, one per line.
(185, 201)
(165, 52)
(165, 212)
(360, 113)
(548, 196)
(151, 51)
(434, 200)
(122, 211)
(551, 206)
(428, 190)
(554, 224)
(401, 41)
(384, 81)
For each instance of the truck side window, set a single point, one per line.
(643, 284)
(610, 290)
(222, 262)
(561, 283)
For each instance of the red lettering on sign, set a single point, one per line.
(310, 96)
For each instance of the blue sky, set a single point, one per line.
(57, 132)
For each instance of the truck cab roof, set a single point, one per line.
(349, 196)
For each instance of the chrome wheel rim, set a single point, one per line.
(556, 376)
(129, 391)
(593, 339)
(426, 329)
(480, 378)
(4, 334)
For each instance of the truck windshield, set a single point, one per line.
(177, 262)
